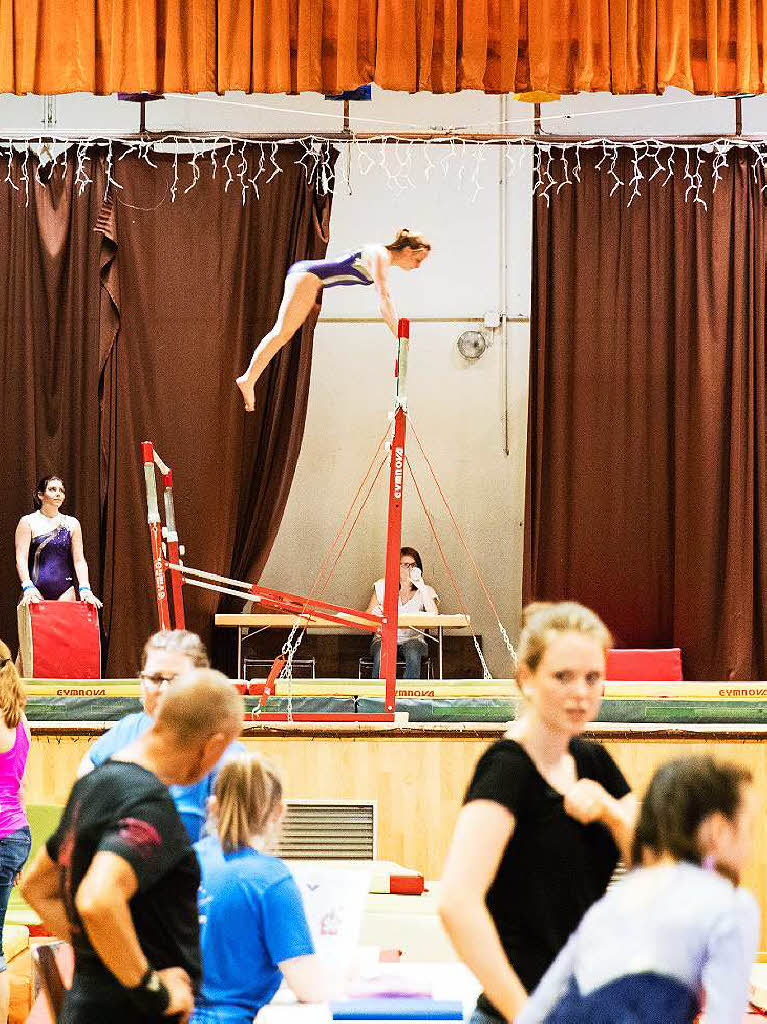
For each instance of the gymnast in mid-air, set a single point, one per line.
(306, 280)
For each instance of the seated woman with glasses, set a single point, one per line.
(166, 655)
(415, 595)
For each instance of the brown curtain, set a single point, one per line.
(647, 442)
(51, 335)
(195, 284)
(272, 46)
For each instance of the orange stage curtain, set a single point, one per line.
(107, 46)
(269, 46)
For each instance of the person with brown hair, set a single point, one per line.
(15, 838)
(678, 930)
(119, 877)
(415, 595)
(544, 818)
(253, 928)
(167, 655)
(306, 281)
(49, 550)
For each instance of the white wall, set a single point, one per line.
(453, 195)
(456, 407)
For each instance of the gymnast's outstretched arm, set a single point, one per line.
(385, 303)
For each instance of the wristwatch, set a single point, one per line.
(151, 982)
(151, 994)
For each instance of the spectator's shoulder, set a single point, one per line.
(276, 871)
(209, 852)
(136, 721)
(120, 735)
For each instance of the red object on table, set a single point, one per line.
(406, 885)
(644, 665)
(65, 639)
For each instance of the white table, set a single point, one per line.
(452, 981)
(247, 624)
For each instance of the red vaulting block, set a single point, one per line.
(644, 665)
(60, 640)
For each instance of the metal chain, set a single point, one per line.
(289, 649)
(487, 674)
(509, 646)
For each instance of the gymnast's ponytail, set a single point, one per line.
(248, 792)
(406, 239)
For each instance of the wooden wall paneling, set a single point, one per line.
(418, 781)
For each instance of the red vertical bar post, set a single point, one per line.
(394, 525)
(155, 535)
(174, 554)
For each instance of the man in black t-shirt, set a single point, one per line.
(119, 877)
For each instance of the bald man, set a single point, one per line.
(119, 877)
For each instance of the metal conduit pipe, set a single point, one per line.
(503, 202)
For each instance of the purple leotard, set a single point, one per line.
(51, 567)
(348, 269)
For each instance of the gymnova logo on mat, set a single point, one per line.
(90, 692)
(745, 691)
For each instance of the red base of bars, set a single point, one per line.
(310, 716)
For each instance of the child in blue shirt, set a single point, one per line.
(678, 930)
(253, 928)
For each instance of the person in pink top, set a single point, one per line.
(15, 837)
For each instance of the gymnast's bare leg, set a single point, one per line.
(298, 300)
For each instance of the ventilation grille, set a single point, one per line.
(328, 830)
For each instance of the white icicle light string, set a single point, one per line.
(555, 164)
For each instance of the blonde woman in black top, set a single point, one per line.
(545, 817)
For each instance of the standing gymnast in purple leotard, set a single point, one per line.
(306, 281)
(49, 550)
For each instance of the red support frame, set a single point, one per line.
(305, 607)
(297, 604)
(155, 535)
(394, 524)
(174, 551)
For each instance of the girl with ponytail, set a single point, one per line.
(253, 928)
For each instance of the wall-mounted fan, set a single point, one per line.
(472, 344)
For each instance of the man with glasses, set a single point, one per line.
(166, 656)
